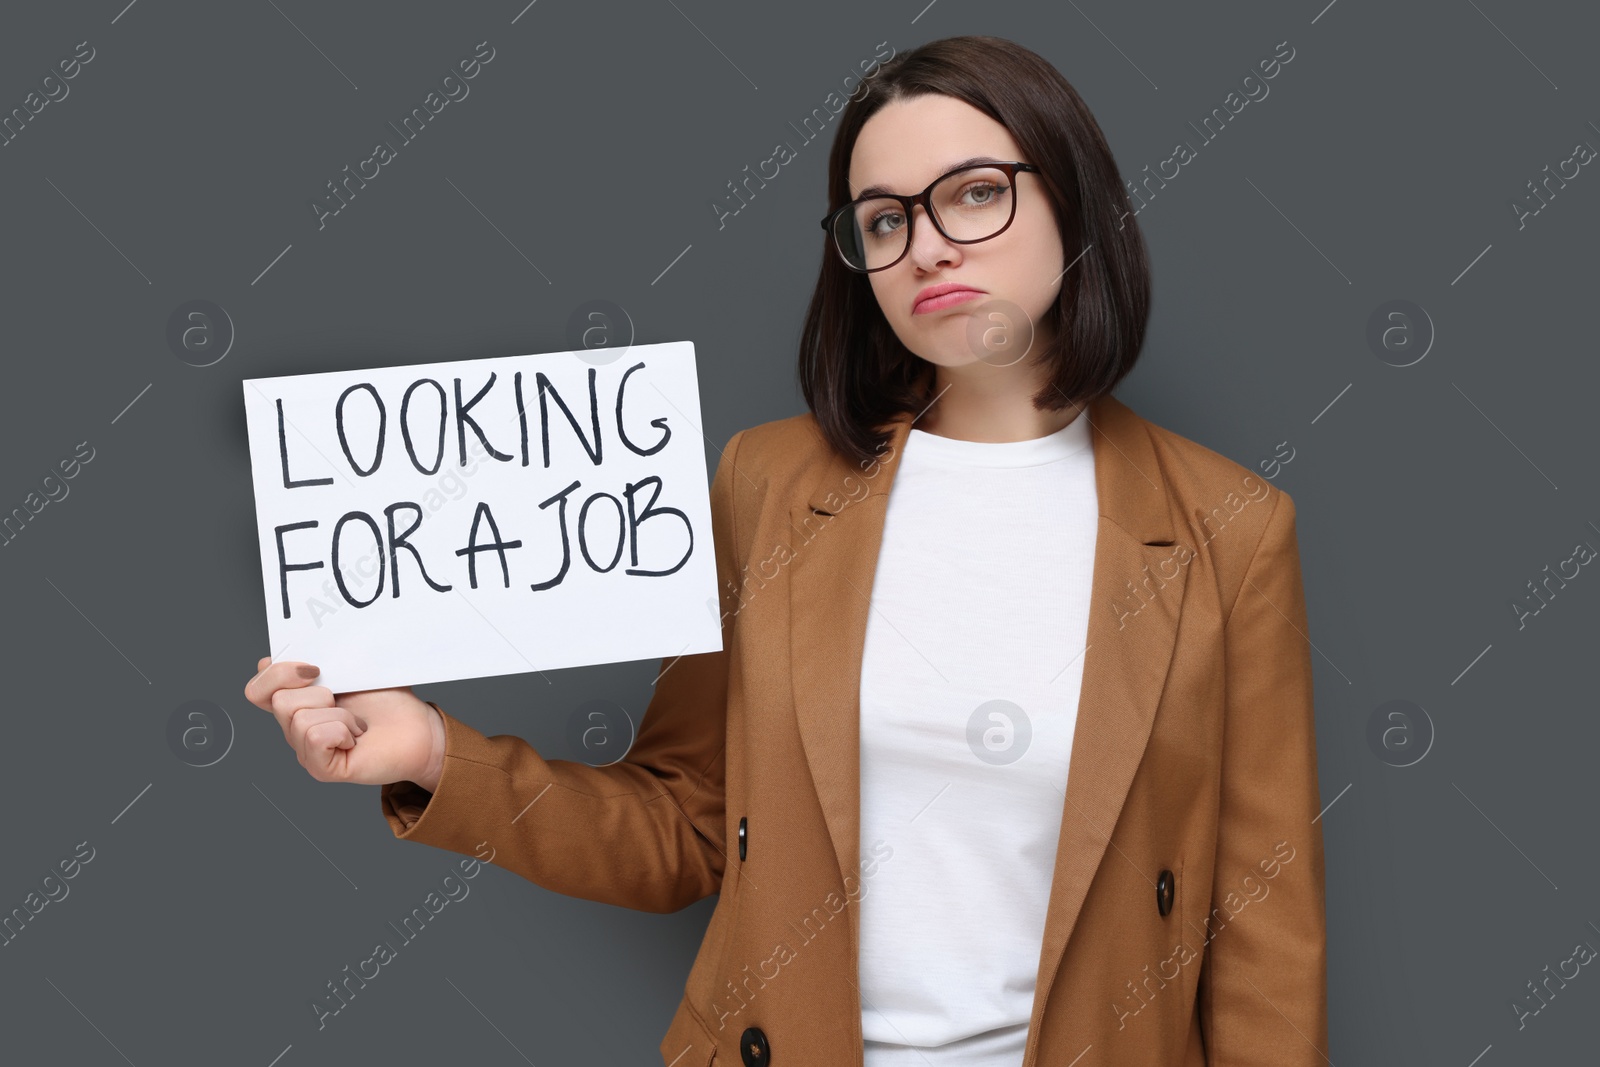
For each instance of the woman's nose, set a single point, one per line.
(929, 247)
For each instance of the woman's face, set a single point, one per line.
(903, 147)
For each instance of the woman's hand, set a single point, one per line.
(370, 737)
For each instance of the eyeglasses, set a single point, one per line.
(967, 205)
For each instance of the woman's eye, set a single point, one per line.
(985, 192)
(883, 224)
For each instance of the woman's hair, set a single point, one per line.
(854, 371)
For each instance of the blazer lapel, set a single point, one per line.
(838, 527)
(1124, 671)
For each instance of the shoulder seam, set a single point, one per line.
(1244, 578)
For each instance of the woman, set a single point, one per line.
(1009, 755)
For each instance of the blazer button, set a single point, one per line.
(744, 835)
(753, 1048)
(1166, 884)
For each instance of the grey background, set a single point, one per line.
(1381, 166)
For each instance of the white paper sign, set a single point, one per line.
(482, 517)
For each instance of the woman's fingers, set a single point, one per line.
(323, 748)
(321, 737)
(285, 702)
(285, 674)
(315, 711)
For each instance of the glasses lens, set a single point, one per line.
(872, 234)
(971, 205)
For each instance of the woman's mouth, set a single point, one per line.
(946, 299)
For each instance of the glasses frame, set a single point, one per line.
(909, 203)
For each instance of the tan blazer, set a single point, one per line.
(1185, 922)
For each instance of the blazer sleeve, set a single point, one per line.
(646, 832)
(1263, 982)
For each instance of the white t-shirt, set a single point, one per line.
(970, 677)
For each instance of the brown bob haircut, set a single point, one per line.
(854, 371)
